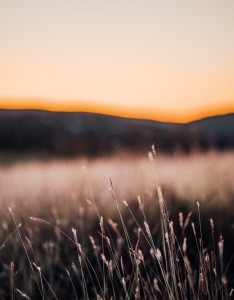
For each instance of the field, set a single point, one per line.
(120, 227)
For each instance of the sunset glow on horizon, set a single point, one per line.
(127, 112)
(167, 61)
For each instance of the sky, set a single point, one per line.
(166, 60)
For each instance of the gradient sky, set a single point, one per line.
(161, 59)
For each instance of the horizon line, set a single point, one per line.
(114, 110)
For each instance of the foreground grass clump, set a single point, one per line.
(140, 253)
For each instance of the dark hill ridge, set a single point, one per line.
(58, 133)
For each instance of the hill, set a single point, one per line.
(69, 134)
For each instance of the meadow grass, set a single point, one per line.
(130, 249)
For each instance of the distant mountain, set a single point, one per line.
(68, 134)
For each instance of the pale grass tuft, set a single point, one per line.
(101, 224)
(23, 295)
(10, 210)
(212, 225)
(75, 235)
(153, 149)
(156, 287)
(103, 257)
(147, 229)
(158, 255)
(187, 220)
(232, 290)
(184, 247)
(220, 245)
(125, 203)
(93, 243)
(181, 219)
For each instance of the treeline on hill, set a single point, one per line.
(71, 134)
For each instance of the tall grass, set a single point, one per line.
(137, 253)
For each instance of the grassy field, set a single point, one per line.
(121, 227)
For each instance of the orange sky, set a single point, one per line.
(130, 112)
(165, 60)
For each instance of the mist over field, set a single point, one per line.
(204, 177)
